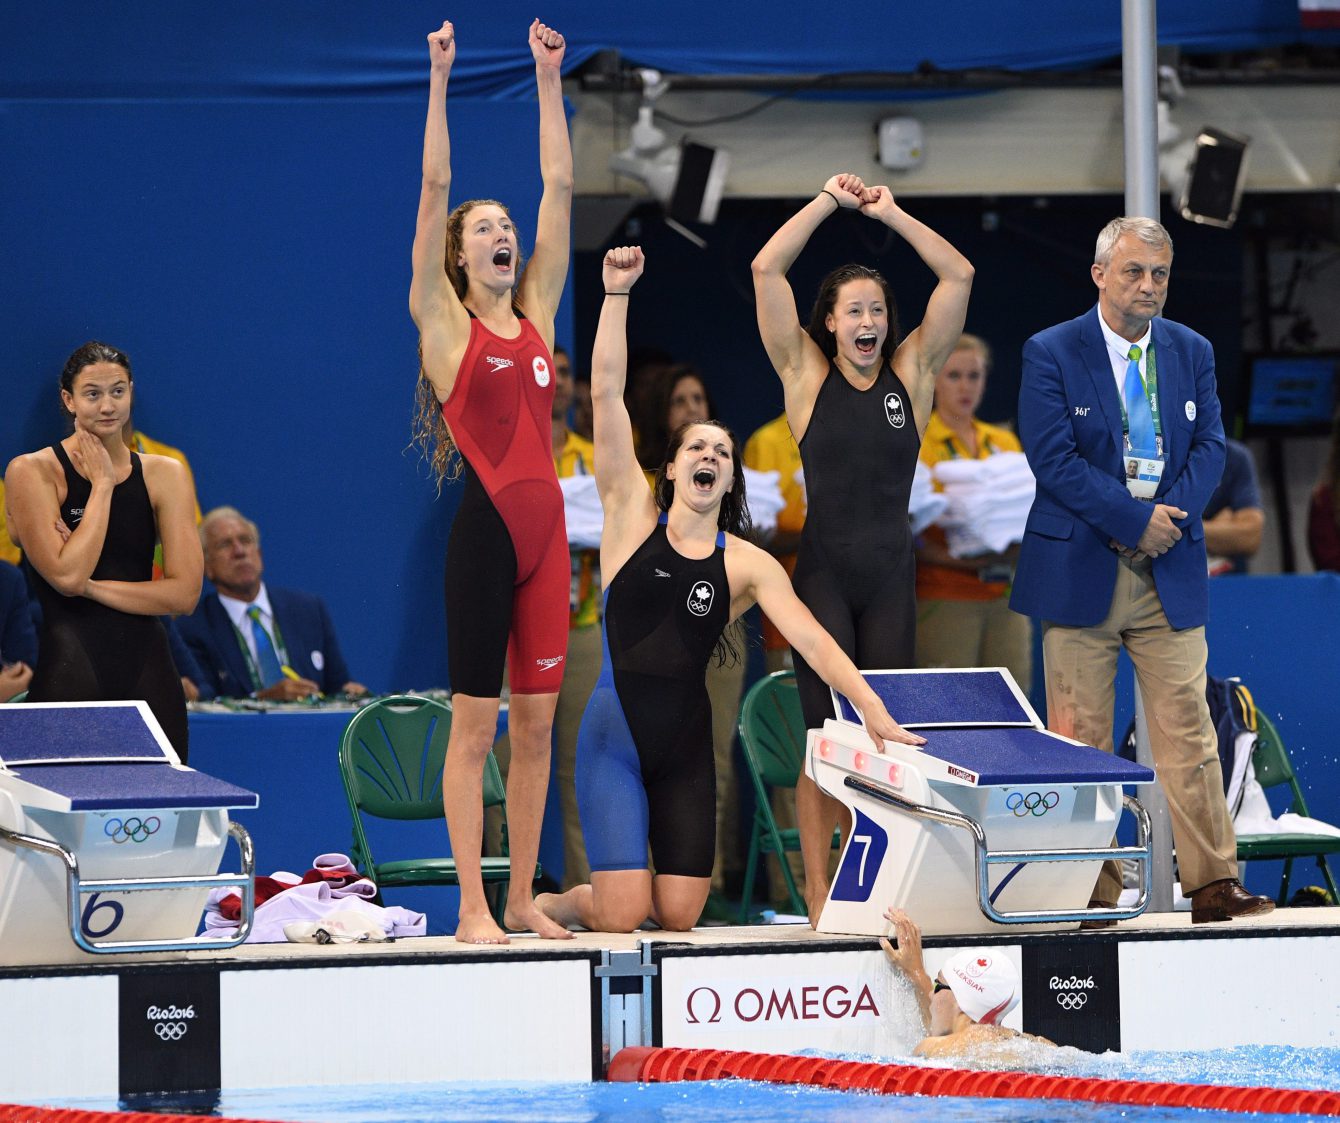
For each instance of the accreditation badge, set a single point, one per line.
(1144, 470)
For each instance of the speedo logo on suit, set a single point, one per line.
(497, 363)
(550, 663)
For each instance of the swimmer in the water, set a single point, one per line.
(962, 1007)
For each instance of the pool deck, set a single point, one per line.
(797, 937)
(432, 1009)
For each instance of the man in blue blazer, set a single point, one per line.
(18, 636)
(255, 640)
(1119, 418)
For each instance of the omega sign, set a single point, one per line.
(707, 1005)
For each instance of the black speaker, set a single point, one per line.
(1214, 178)
(702, 178)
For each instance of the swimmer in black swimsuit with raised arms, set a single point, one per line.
(857, 399)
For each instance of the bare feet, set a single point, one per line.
(570, 909)
(479, 928)
(529, 918)
(815, 906)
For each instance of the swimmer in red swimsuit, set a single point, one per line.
(486, 341)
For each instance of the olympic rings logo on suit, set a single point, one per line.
(133, 829)
(170, 1031)
(1071, 999)
(1034, 803)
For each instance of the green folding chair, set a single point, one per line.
(1270, 760)
(391, 758)
(772, 734)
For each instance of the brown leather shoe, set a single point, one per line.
(1098, 923)
(1225, 899)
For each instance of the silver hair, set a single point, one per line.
(1146, 229)
(227, 513)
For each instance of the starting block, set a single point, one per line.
(108, 843)
(994, 821)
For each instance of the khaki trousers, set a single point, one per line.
(975, 633)
(1081, 665)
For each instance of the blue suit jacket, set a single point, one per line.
(308, 634)
(18, 636)
(1070, 426)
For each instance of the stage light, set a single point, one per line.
(688, 179)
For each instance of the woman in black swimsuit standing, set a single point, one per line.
(88, 513)
(857, 399)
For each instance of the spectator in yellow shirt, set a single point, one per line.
(963, 612)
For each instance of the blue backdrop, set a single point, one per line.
(228, 193)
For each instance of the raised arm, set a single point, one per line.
(443, 323)
(766, 582)
(795, 356)
(173, 500)
(623, 488)
(924, 351)
(65, 559)
(542, 285)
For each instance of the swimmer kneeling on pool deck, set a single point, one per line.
(962, 1007)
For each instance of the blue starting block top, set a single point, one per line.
(921, 699)
(112, 787)
(1011, 757)
(50, 732)
(103, 757)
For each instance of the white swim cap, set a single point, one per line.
(985, 984)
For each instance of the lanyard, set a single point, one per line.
(280, 651)
(988, 446)
(1151, 379)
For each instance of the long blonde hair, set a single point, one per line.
(430, 433)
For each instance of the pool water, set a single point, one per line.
(733, 1101)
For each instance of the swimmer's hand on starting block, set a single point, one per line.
(882, 727)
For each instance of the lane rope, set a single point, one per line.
(19, 1113)
(644, 1064)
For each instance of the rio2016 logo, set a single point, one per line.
(170, 1021)
(1072, 993)
(132, 829)
(1034, 803)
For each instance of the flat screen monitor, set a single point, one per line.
(1292, 393)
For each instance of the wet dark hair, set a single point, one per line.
(430, 431)
(91, 352)
(826, 301)
(733, 517)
